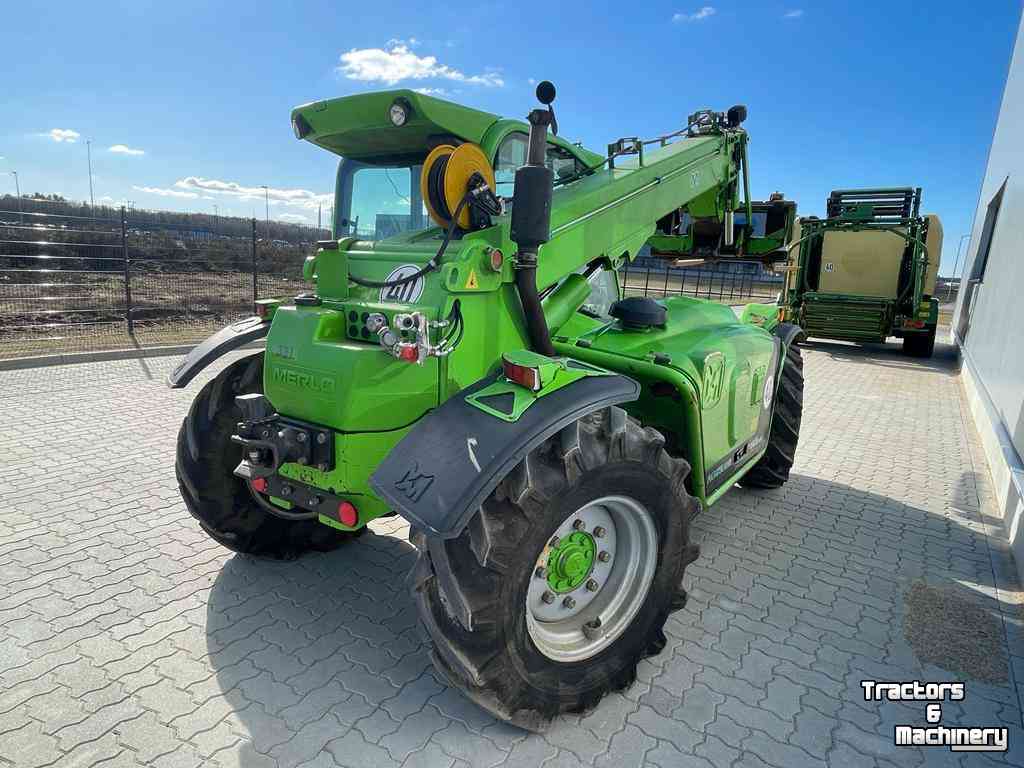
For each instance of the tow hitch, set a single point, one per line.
(268, 440)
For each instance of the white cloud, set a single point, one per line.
(121, 149)
(432, 91)
(166, 192)
(293, 217)
(704, 13)
(63, 134)
(396, 62)
(301, 198)
(796, 13)
(412, 42)
(531, 81)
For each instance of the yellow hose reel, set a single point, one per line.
(448, 176)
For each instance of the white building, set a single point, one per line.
(987, 325)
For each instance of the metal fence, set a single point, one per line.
(725, 282)
(113, 278)
(76, 278)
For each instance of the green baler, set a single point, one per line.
(867, 271)
(548, 442)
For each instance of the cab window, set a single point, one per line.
(512, 154)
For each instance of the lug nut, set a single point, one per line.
(554, 542)
(321, 438)
(603, 556)
(541, 573)
(302, 437)
(579, 525)
(265, 433)
(591, 585)
(302, 460)
(314, 501)
(286, 490)
(569, 602)
(548, 598)
(599, 532)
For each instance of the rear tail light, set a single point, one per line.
(259, 484)
(348, 514)
(523, 375)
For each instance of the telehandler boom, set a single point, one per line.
(464, 359)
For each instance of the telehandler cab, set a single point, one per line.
(465, 360)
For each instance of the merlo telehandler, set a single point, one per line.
(464, 359)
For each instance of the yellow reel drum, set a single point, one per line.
(445, 178)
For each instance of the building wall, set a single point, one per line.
(987, 322)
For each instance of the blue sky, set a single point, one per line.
(187, 103)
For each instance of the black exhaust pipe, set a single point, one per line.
(531, 219)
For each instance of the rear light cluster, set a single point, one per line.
(913, 323)
(347, 512)
(523, 375)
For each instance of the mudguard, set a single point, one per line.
(223, 341)
(440, 473)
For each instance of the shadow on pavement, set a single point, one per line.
(330, 642)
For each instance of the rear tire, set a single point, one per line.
(920, 344)
(221, 502)
(474, 595)
(772, 469)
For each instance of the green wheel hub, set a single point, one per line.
(571, 561)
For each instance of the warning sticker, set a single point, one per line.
(472, 282)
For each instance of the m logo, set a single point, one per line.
(405, 293)
(413, 484)
(714, 379)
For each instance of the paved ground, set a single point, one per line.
(126, 637)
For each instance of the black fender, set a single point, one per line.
(439, 474)
(223, 341)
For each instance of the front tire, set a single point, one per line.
(222, 502)
(772, 469)
(527, 658)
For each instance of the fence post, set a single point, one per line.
(255, 289)
(127, 275)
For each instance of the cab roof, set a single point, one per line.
(359, 127)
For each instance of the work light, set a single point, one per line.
(398, 113)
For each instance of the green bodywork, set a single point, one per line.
(703, 374)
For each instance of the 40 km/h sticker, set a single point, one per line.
(405, 293)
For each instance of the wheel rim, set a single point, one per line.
(591, 578)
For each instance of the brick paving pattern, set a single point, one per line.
(129, 638)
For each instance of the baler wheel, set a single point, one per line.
(920, 344)
(772, 469)
(223, 503)
(521, 622)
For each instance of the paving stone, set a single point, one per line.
(137, 640)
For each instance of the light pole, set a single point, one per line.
(17, 189)
(266, 195)
(88, 152)
(216, 217)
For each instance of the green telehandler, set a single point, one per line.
(465, 360)
(867, 271)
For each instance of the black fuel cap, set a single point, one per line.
(638, 312)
